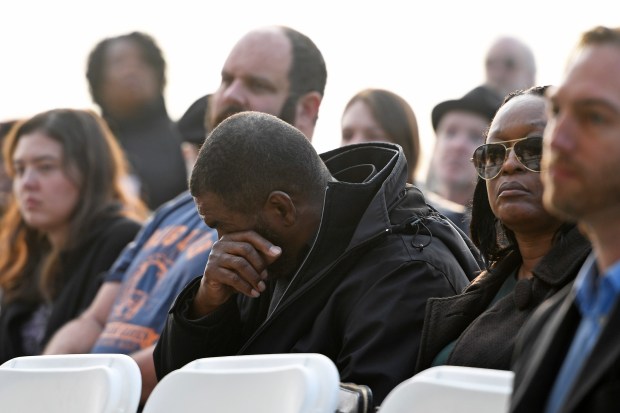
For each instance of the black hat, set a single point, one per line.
(192, 123)
(481, 100)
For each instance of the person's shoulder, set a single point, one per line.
(182, 201)
(120, 227)
(125, 223)
(442, 204)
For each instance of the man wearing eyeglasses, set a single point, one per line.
(568, 359)
(509, 66)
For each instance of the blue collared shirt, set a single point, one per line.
(594, 296)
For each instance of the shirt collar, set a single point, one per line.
(595, 295)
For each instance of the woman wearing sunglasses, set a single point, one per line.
(530, 254)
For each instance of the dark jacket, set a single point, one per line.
(359, 295)
(485, 336)
(83, 268)
(541, 349)
(152, 145)
(458, 214)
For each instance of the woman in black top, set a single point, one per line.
(67, 221)
(531, 255)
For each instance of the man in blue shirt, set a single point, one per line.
(568, 359)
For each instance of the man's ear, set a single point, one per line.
(280, 209)
(307, 112)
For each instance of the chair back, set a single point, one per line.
(452, 389)
(75, 383)
(269, 383)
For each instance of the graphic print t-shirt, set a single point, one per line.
(171, 250)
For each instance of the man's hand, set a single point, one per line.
(237, 263)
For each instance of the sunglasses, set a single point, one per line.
(490, 157)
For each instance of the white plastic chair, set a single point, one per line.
(445, 389)
(269, 383)
(72, 383)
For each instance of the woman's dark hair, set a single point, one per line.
(151, 54)
(397, 119)
(488, 233)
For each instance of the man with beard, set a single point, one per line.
(333, 254)
(274, 69)
(568, 357)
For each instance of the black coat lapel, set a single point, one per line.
(556, 322)
(603, 357)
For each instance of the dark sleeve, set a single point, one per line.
(183, 340)
(531, 329)
(87, 271)
(429, 347)
(119, 236)
(537, 340)
(382, 334)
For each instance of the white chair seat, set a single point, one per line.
(448, 389)
(77, 383)
(273, 383)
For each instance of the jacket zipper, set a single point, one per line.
(311, 283)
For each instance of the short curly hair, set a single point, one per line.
(251, 154)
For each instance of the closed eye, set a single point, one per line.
(260, 85)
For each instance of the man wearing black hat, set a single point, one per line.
(459, 126)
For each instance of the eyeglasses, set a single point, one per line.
(489, 158)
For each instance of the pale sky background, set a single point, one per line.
(426, 51)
